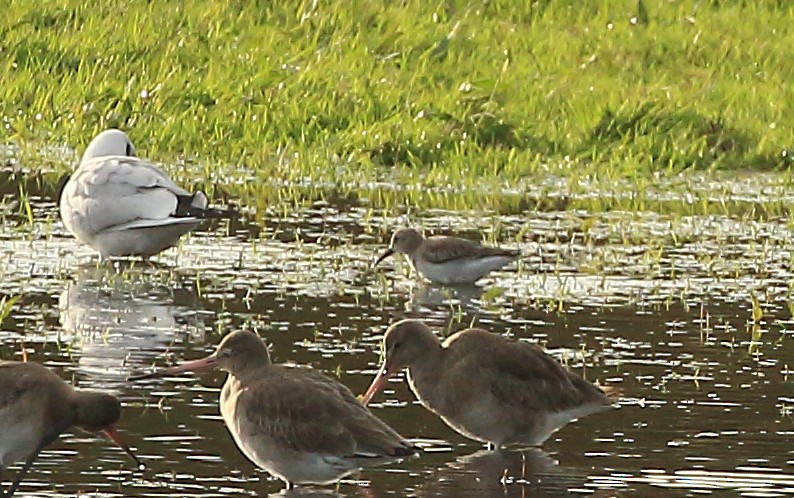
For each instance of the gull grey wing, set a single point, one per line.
(113, 191)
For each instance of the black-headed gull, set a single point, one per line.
(122, 205)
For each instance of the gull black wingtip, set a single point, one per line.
(221, 213)
(195, 206)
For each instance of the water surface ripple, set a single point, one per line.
(689, 315)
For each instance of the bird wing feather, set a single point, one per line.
(18, 379)
(309, 412)
(116, 190)
(535, 379)
(442, 249)
(524, 375)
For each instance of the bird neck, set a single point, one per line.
(416, 248)
(425, 370)
(94, 411)
(248, 368)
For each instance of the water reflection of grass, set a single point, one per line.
(279, 101)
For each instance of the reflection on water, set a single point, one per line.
(114, 317)
(308, 492)
(748, 482)
(427, 295)
(528, 473)
(691, 317)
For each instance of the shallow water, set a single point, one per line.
(660, 305)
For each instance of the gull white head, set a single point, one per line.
(110, 142)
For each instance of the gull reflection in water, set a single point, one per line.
(117, 319)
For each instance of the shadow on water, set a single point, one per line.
(691, 316)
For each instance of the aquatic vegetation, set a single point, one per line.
(6, 306)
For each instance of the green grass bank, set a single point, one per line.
(265, 96)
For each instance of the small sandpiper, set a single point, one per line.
(447, 260)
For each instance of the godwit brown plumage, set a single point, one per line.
(447, 260)
(36, 407)
(296, 423)
(485, 386)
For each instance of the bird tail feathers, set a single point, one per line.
(195, 206)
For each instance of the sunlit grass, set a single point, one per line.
(473, 103)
